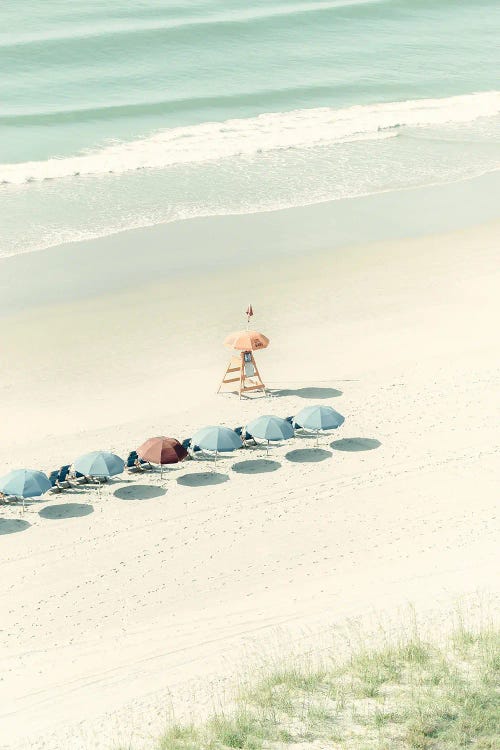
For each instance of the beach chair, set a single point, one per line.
(245, 436)
(53, 479)
(62, 479)
(191, 449)
(83, 479)
(79, 478)
(187, 445)
(134, 463)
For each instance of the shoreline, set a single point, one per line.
(269, 210)
(92, 268)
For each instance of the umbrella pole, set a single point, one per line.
(215, 462)
(267, 448)
(317, 438)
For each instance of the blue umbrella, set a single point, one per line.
(25, 483)
(270, 428)
(99, 464)
(318, 418)
(218, 439)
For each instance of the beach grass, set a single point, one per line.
(413, 694)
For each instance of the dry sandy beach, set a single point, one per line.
(113, 608)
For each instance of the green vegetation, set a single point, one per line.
(411, 696)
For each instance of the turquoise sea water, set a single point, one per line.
(133, 112)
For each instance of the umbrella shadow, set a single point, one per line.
(308, 455)
(13, 525)
(139, 492)
(202, 479)
(66, 510)
(256, 466)
(311, 392)
(352, 445)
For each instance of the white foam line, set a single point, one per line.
(276, 131)
(81, 236)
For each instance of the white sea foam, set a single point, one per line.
(267, 132)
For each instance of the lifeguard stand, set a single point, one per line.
(242, 369)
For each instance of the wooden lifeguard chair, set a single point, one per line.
(242, 367)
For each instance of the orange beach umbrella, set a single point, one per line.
(246, 341)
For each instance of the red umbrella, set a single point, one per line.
(162, 450)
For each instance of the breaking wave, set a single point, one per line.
(252, 136)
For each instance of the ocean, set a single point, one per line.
(131, 113)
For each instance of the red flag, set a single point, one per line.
(249, 312)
